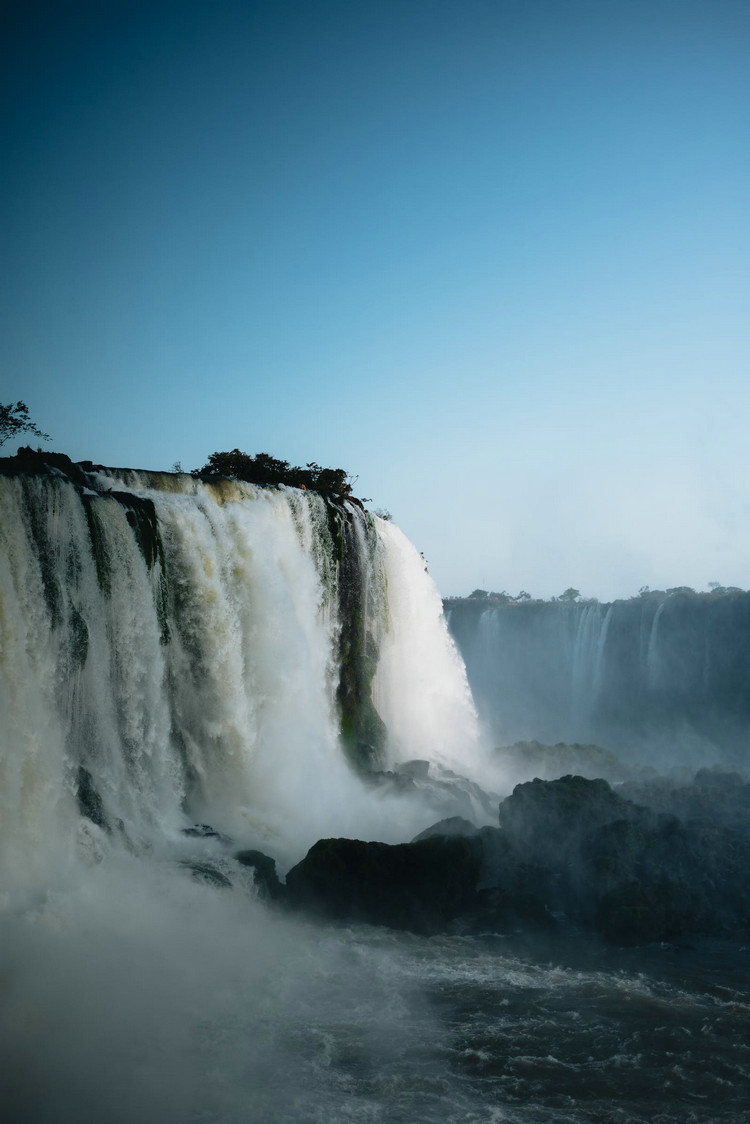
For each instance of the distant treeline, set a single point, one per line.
(573, 596)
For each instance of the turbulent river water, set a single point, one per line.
(175, 652)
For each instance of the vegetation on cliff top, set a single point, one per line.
(266, 470)
(485, 599)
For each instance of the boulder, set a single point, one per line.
(422, 886)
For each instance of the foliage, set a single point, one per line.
(14, 420)
(266, 470)
(570, 594)
(494, 598)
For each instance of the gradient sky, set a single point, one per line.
(493, 256)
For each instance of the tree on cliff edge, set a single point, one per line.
(267, 470)
(14, 420)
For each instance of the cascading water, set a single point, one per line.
(420, 685)
(652, 652)
(587, 664)
(174, 651)
(174, 648)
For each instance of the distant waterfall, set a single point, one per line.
(652, 654)
(174, 651)
(660, 676)
(587, 663)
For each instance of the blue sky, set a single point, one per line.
(493, 257)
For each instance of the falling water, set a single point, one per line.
(587, 664)
(420, 686)
(172, 650)
(652, 655)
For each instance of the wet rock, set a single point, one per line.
(635, 873)
(634, 914)
(264, 872)
(417, 768)
(90, 803)
(502, 910)
(204, 831)
(422, 886)
(453, 825)
(207, 872)
(551, 818)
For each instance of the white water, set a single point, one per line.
(229, 716)
(652, 656)
(587, 665)
(420, 688)
(202, 689)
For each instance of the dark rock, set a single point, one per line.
(636, 873)
(551, 818)
(503, 910)
(264, 872)
(634, 914)
(420, 886)
(417, 768)
(90, 803)
(207, 872)
(204, 831)
(718, 778)
(454, 825)
(512, 891)
(42, 462)
(569, 848)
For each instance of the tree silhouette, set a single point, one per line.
(14, 419)
(264, 469)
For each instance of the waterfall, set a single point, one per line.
(420, 686)
(175, 650)
(587, 664)
(653, 676)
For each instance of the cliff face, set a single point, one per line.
(658, 675)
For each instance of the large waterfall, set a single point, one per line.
(175, 650)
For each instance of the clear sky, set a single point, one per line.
(491, 255)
